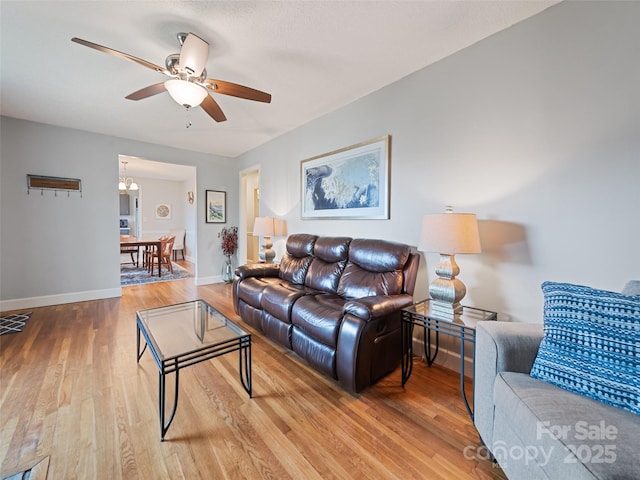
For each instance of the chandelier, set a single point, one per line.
(126, 183)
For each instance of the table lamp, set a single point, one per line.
(448, 234)
(264, 227)
(279, 227)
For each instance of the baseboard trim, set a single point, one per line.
(48, 300)
(208, 280)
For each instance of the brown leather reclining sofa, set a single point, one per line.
(334, 301)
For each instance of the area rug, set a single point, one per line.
(130, 275)
(37, 472)
(13, 323)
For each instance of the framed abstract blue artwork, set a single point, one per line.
(350, 183)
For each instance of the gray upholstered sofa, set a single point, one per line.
(537, 430)
(334, 301)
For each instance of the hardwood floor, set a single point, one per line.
(72, 394)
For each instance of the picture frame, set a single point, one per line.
(163, 211)
(216, 206)
(350, 183)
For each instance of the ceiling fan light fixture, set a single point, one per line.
(188, 84)
(185, 93)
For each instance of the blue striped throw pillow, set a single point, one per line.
(591, 344)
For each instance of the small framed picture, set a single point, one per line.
(163, 211)
(216, 206)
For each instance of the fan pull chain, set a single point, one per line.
(188, 122)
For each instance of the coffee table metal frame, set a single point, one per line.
(173, 364)
(463, 328)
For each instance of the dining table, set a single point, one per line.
(132, 241)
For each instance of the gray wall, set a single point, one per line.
(535, 129)
(58, 249)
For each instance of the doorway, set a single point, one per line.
(249, 210)
(166, 185)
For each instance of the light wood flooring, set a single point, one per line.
(73, 398)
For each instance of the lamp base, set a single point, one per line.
(266, 253)
(446, 311)
(446, 291)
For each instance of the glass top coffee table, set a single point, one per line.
(185, 334)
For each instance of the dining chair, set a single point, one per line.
(178, 244)
(163, 256)
(149, 251)
(130, 249)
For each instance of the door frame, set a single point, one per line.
(249, 179)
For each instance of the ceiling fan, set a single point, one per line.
(188, 85)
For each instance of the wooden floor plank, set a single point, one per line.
(72, 392)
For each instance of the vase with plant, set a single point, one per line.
(229, 243)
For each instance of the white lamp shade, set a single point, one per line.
(263, 227)
(450, 233)
(133, 186)
(186, 93)
(122, 185)
(279, 227)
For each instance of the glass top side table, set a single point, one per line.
(462, 327)
(185, 334)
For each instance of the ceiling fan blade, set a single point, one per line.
(235, 90)
(147, 92)
(212, 108)
(117, 53)
(193, 55)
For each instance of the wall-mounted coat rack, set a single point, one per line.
(42, 183)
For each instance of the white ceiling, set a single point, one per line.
(312, 56)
